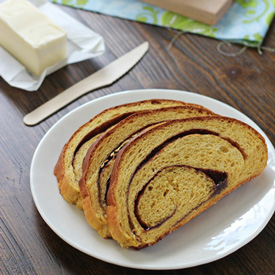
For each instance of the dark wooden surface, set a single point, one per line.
(192, 63)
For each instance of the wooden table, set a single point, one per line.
(192, 63)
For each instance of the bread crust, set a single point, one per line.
(113, 217)
(109, 222)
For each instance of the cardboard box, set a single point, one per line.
(205, 11)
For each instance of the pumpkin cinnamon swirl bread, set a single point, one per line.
(168, 174)
(99, 160)
(68, 168)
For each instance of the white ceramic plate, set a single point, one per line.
(219, 231)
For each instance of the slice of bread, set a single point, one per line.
(168, 174)
(98, 162)
(68, 168)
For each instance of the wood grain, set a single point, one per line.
(191, 63)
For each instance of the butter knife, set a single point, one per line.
(103, 77)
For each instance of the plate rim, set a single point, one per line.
(137, 91)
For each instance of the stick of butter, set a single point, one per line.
(30, 36)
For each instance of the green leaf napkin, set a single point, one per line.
(246, 22)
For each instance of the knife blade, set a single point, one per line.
(103, 77)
